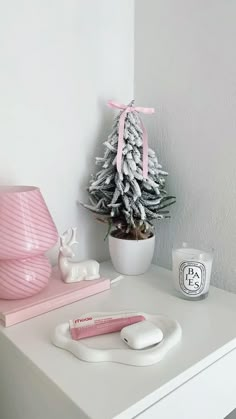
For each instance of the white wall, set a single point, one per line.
(60, 61)
(185, 63)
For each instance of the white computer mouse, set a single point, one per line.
(141, 335)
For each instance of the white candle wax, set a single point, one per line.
(191, 271)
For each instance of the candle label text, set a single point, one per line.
(192, 277)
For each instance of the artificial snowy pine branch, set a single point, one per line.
(127, 198)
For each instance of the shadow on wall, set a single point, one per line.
(94, 228)
(188, 75)
(232, 415)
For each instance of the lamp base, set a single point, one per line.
(22, 278)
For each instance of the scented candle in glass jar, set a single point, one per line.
(192, 271)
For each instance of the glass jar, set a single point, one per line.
(192, 271)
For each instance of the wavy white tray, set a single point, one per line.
(110, 348)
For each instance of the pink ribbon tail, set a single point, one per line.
(120, 140)
(127, 109)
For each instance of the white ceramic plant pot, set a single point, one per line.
(131, 257)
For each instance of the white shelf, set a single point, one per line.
(107, 390)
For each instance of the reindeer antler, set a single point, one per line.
(63, 238)
(65, 241)
(73, 236)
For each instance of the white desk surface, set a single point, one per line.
(107, 390)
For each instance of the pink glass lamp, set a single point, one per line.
(27, 231)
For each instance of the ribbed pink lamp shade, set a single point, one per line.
(27, 231)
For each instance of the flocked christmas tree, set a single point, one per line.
(120, 193)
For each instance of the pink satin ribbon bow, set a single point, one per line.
(127, 109)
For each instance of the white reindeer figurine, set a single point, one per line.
(74, 271)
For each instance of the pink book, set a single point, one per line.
(55, 295)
